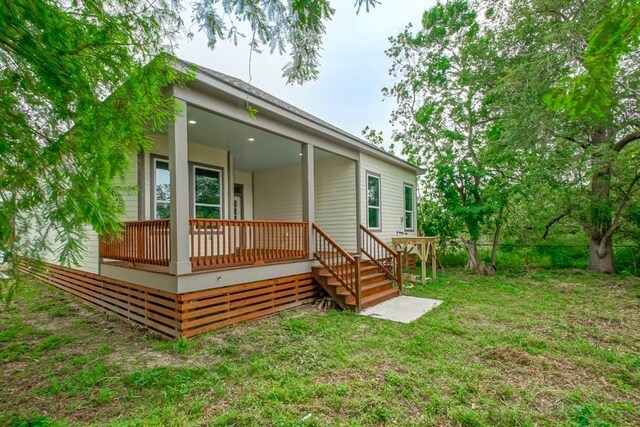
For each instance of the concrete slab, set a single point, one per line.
(402, 309)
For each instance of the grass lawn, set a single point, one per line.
(552, 348)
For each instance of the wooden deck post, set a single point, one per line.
(358, 207)
(434, 260)
(357, 281)
(308, 194)
(179, 197)
(399, 272)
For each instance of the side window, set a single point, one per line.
(373, 202)
(408, 207)
(161, 193)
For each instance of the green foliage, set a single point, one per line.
(79, 91)
(592, 93)
(575, 109)
(375, 137)
(444, 117)
(521, 126)
(295, 27)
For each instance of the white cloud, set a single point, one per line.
(353, 69)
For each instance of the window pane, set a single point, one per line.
(373, 190)
(408, 220)
(163, 210)
(408, 198)
(374, 220)
(207, 212)
(162, 181)
(207, 186)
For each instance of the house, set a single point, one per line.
(237, 217)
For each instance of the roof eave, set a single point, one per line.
(358, 143)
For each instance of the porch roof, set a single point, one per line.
(249, 89)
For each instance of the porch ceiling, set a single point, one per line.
(266, 151)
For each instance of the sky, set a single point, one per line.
(353, 67)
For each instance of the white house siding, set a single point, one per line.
(335, 199)
(90, 259)
(392, 179)
(277, 194)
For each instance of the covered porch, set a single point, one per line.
(217, 193)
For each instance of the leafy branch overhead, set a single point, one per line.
(290, 27)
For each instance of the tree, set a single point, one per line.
(435, 220)
(444, 117)
(580, 62)
(81, 84)
(78, 90)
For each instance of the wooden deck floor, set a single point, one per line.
(198, 269)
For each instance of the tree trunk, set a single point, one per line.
(601, 256)
(474, 262)
(600, 223)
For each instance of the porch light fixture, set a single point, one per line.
(300, 154)
(251, 139)
(192, 122)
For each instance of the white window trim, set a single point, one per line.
(193, 186)
(379, 208)
(413, 207)
(154, 200)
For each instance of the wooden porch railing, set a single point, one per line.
(234, 242)
(141, 242)
(382, 255)
(343, 266)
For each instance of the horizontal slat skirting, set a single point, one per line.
(215, 308)
(230, 310)
(218, 304)
(179, 315)
(240, 288)
(252, 316)
(140, 305)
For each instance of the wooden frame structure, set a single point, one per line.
(172, 315)
(421, 246)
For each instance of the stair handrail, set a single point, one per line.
(343, 266)
(372, 245)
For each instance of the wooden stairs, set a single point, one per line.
(352, 281)
(375, 287)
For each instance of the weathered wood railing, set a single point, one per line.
(382, 255)
(218, 242)
(141, 242)
(343, 266)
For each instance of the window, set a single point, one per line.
(161, 194)
(408, 207)
(373, 201)
(207, 188)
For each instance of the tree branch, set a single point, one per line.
(626, 140)
(619, 212)
(553, 221)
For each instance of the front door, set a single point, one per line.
(238, 212)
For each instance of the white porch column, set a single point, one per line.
(179, 197)
(308, 193)
(358, 206)
(231, 191)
